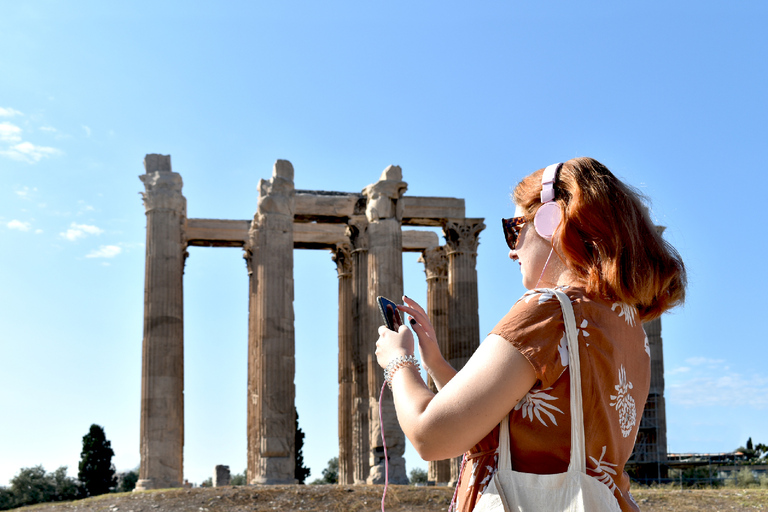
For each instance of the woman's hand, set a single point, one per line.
(431, 357)
(393, 344)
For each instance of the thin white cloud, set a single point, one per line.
(105, 251)
(87, 130)
(14, 147)
(709, 382)
(19, 225)
(9, 132)
(9, 112)
(28, 152)
(48, 129)
(730, 390)
(77, 231)
(24, 192)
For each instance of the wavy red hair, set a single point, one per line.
(607, 239)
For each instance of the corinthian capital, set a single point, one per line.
(343, 258)
(357, 231)
(383, 197)
(463, 235)
(435, 262)
(163, 186)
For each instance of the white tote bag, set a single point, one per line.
(572, 491)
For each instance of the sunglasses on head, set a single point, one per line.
(512, 229)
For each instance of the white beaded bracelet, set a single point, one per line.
(396, 364)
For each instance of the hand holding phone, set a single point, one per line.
(391, 315)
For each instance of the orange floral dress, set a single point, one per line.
(615, 372)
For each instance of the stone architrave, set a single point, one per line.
(162, 372)
(384, 211)
(271, 335)
(462, 239)
(343, 258)
(357, 233)
(436, 268)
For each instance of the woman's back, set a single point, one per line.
(615, 374)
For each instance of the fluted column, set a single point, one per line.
(357, 231)
(343, 258)
(162, 372)
(384, 211)
(271, 335)
(462, 239)
(436, 267)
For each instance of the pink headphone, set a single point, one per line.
(548, 216)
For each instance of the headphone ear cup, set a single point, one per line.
(547, 219)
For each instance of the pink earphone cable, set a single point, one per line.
(383, 442)
(545, 267)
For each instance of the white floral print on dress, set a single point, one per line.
(604, 470)
(627, 311)
(624, 403)
(583, 328)
(535, 403)
(647, 346)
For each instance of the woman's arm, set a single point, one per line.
(475, 400)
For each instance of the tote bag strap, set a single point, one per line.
(578, 449)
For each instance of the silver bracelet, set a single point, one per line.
(396, 364)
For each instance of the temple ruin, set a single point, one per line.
(365, 234)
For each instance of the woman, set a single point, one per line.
(602, 249)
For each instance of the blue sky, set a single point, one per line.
(466, 98)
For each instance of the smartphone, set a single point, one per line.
(389, 311)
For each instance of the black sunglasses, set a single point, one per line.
(512, 229)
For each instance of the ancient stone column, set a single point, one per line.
(436, 267)
(162, 371)
(384, 211)
(343, 258)
(221, 476)
(357, 231)
(271, 335)
(462, 239)
(655, 417)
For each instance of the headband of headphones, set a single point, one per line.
(548, 216)
(548, 182)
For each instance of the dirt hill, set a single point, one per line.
(334, 498)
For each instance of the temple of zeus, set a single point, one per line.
(366, 234)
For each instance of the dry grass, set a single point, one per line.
(334, 498)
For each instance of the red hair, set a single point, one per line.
(607, 240)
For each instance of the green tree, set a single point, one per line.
(126, 482)
(330, 474)
(300, 472)
(745, 478)
(32, 485)
(7, 498)
(96, 472)
(239, 479)
(65, 488)
(418, 476)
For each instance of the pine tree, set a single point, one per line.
(300, 472)
(96, 472)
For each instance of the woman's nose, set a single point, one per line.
(512, 255)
